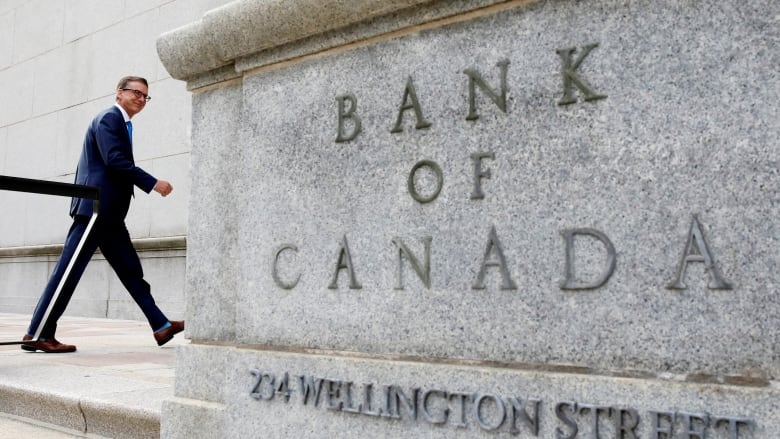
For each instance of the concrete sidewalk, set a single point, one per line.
(112, 386)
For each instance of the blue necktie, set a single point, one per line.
(130, 130)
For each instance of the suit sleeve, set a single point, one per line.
(116, 152)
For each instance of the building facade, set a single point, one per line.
(59, 65)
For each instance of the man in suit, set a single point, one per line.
(106, 162)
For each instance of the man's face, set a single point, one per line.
(133, 97)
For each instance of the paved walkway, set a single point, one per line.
(112, 386)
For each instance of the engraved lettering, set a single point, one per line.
(423, 271)
(479, 174)
(344, 262)
(562, 411)
(385, 409)
(571, 77)
(461, 398)
(275, 272)
(519, 411)
(655, 424)
(694, 425)
(333, 395)
(409, 92)
(367, 397)
(733, 425)
(626, 422)
(271, 382)
(257, 392)
(310, 387)
(490, 411)
(439, 181)
(283, 387)
(594, 416)
(570, 282)
(476, 80)
(494, 246)
(499, 404)
(346, 388)
(400, 401)
(392, 404)
(696, 250)
(345, 114)
(427, 416)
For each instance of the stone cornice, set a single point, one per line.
(247, 34)
(244, 27)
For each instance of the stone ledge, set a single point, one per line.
(118, 421)
(752, 378)
(94, 417)
(52, 409)
(141, 245)
(247, 27)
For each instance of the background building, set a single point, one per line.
(59, 64)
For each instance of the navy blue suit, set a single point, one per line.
(106, 162)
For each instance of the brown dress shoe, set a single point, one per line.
(50, 346)
(167, 334)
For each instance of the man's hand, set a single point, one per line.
(163, 187)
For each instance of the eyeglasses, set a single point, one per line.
(138, 94)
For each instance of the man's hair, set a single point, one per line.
(123, 82)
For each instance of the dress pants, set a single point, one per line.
(113, 239)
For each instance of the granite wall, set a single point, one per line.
(481, 218)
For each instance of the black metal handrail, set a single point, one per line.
(48, 187)
(44, 187)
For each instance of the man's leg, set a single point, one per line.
(76, 232)
(120, 253)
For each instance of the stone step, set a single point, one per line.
(18, 427)
(112, 386)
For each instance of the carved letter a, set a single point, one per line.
(414, 105)
(494, 247)
(702, 254)
(344, 261)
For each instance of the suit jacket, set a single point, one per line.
(107, 162)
